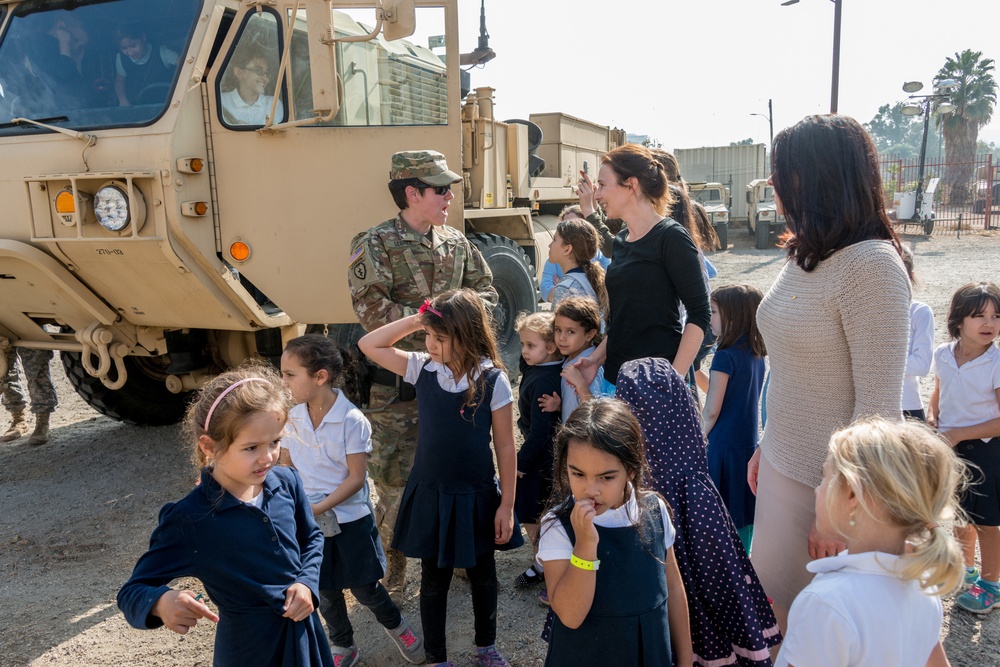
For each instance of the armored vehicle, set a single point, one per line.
(762, 214)
(716, 200)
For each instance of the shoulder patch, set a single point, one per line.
(358, 253)
(360, 270)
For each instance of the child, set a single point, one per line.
(730, 416)
(607, 546)
(731, 620)
(141, 66)
(965, 408)
(451, 513)
(921, 348)
(328, 439)
(573, 245)
(886, 489)
(577, 327)
(246, 531)
(551, 272)
(534, 459)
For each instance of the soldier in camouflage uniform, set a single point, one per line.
(393, 268)
(40, 389)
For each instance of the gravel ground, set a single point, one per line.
(77, 512)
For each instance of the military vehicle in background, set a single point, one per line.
(763, 220)
(158, 242)
(717, 202)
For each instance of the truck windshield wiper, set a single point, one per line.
(19, 121)
(89, 139)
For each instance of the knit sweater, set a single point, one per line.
(837, 341)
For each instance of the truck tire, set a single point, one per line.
(763, 234)
(514, 280)
(929, 226)
(750, 225)
(722, 231)
(143, 401)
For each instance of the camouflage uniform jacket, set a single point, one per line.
(393, 268)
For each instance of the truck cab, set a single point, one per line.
(763, 219)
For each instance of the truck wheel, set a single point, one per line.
(763, 234)
(143, 401)
(928, 226)
(722, 231)
(514, 280)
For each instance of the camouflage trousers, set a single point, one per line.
(40, 389)
(394, 444)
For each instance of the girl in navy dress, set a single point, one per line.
(453, 513)
(328, 440)
(610, 570)
(731, 620)
(246, 531)
(733, 401)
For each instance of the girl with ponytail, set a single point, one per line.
(573, 247)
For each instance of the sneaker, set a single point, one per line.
(979, 599)
(971, 577)
(488, 657)
(410, 646)
(345, 657)
(543, 597)
(528, 578)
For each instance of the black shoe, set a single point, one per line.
(529, 578)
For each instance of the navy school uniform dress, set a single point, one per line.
(451, 498)
(246, 557)
(538, 429)
(731, 620)
(627, 624)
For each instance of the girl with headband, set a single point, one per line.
(246, 531)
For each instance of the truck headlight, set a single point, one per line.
(720, 217)
(112, 209)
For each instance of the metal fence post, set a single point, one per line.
(989, 191)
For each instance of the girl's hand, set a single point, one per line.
(550, 402)
(298, 602)
(753, 467)
(503, 525)
(821, 546)
(932, 420)
(180, 611)
(582, 519)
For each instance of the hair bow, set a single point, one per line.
(428, 307)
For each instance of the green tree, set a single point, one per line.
(896, 134)
(746, 142)
(974, 101)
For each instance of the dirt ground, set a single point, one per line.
(77, 512)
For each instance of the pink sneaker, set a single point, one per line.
(410, 646)
(345, 657)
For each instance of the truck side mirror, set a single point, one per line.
(322, 58)
(399, 19)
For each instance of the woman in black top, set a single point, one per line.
(656, 268)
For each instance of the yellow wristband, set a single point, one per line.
(576, 561)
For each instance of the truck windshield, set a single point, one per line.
(708, 196)
(91, 63)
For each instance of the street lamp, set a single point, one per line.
(770, 123)
(942, 91)
(838, 5)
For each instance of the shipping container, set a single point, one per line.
(733, 166)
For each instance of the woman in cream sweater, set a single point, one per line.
(835, 323)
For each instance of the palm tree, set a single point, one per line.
(974, 101)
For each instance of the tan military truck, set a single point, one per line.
(762, 213)
(717, 202)
(181, 179)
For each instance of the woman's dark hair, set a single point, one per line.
(825, 173)
(970, 300)
(633, 160)
(705, 228)
(582, 310)
(317, 353)
(737, 305)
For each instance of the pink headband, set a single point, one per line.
(225, 391)
(428, 307)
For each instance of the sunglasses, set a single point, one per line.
(259, 71)
(438, 189)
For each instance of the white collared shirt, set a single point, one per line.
(249, 114)
(320, 454)
(968, 394)
(919, 354)
(502, 394)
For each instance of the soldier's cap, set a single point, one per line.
(427, 166)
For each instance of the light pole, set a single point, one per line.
(838, 6)
(942, 90)
(770, 122)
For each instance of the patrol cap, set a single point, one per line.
(428, 166)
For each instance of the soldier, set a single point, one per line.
(40, 389)
(393, 268)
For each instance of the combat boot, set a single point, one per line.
(18, 427)
(395, 575)
(41, 433)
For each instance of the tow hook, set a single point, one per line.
(97, 341)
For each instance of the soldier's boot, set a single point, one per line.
(18, 427)
(395, 575)
(41, 433)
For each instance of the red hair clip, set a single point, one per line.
(428, 307)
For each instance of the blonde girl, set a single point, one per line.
(451, 514)
(328, 440)
(887, 489)
(573, 245)
(246, 531)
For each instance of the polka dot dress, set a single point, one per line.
(731, 621)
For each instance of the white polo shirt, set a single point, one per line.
(918, 356)
(320, 455)
(968, 394)
(250, 114)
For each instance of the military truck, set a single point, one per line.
(161, 229)
(716, 200)
(762, 214)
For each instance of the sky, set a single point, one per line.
(691, 73)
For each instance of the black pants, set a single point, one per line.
(333, 609)
(434, 584)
